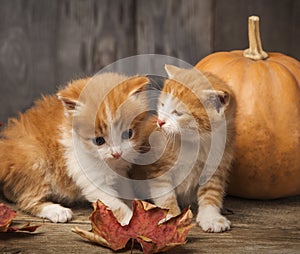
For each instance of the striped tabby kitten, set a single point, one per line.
(58, 151)
(181, 117)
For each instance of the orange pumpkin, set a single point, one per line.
(267, 88)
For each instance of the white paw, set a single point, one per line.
(168, 217)
(123, 213)
(127, 217)
(56, 213)
(210, 220)
(214, 225)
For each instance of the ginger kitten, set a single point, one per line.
(62, 149)
(189, 112)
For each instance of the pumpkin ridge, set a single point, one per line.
(227, 64)
(242, 78)
(274, 78)
(207, 58)
(285, 60)
(231, 63)
(279, 56)
(297, 80)
(288, 70)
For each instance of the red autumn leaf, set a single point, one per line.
(27, 228)
(6, 217)
(144, 227)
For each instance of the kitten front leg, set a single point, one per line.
(210, 219)
(55, 212)
(33, 199)
(169, 202)
(166, 200)
(121, 211)
(210, 198)
(47, 210)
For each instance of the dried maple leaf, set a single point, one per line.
(144, 227)
(6, 217)
(27, 228)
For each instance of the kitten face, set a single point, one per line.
(116, 137)
(173, 114)
(179, 109)
(108, 123)
(189, 101)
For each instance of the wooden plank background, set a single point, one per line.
(44, 44)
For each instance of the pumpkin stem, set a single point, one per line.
(255, 51)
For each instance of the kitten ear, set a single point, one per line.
(72, 106)
(216, 99)
(137, 84)
(172, 70)
(70, 94)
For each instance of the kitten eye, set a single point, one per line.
(162, 104)
(177, 113)
(127, 134)
(98, 141)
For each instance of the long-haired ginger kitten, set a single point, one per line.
(62, 149)
(195, 114)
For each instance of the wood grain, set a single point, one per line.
(180, 28)
(257, 227)
(26, 54)
(294, 31)
(91, 35)
(44, 44)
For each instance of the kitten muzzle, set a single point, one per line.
(116, 155)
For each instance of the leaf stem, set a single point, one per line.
(132, 245)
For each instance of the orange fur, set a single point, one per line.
(188, 86)
(36, 149)
(31, 164)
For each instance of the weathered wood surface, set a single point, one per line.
(26, 53)
(180, 28)
(258, 227)
(91, 35)
(44, 44)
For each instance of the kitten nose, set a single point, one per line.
(160, 122)
(116, 155)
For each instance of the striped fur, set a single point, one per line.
(186, 87)
(48, 155)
